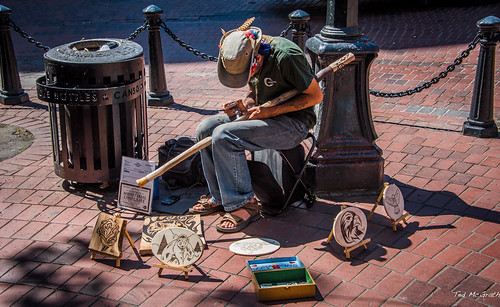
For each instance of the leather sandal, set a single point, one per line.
(208, 207)
(252, 207)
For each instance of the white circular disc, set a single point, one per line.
(177, 246)
(349, 227)
(254, 246)
(394, 202)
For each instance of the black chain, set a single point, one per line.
(26, 36)
(285, 32)
(185, 45)
(138, 30)
(434, 80)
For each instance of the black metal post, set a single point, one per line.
(158, 92)
(480, 122)
(300, 26)
(346, 159)
(12, 92)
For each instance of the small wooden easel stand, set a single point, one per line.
(394, 222)
(172, 235)
(96, 247)
(186, 269)
(347, 250)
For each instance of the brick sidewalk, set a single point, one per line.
(447, 254)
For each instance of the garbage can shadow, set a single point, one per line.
(96, 92)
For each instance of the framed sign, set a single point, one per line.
(394, 203)
(130, 196)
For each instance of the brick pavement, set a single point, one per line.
(446, 255)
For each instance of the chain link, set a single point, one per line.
(285, 32)
(436, 79)
(26, 36)
(186, 46)
(139, 30)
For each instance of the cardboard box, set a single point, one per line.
(281, 278)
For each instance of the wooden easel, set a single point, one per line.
(186, 269)
(347, 250)
(180, 230)
(401, 219)
(378, 200)
(393, 221)
(118, 257)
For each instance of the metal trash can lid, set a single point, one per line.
(95, 51)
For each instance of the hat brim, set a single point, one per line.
(233, 80)
(241, 79)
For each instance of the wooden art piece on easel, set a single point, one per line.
(153, 224)
(107, 237)
(394, 204)
(177, 248)
(349, 229)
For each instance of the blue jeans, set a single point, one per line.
(225, 162)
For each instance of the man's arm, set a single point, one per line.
(310, 97)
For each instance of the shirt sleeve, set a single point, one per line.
(296, 70)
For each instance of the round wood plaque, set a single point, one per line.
(394, 203)
(254, 246)
(349, 227)
(177, 246)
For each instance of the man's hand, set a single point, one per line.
(258, 112)
(232, 108)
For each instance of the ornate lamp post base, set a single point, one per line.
(346, 160)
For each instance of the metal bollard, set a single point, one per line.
(11, 93)
(480, 122)
(158, 92)
(300, 23)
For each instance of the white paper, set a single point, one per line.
(130, 196)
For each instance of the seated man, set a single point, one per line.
(270, 66)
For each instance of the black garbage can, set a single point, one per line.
(96, 92)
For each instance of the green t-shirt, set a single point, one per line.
(284, 69)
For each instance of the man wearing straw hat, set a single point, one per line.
(270, 66)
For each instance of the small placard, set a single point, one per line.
(130, 196)
(394, 202)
